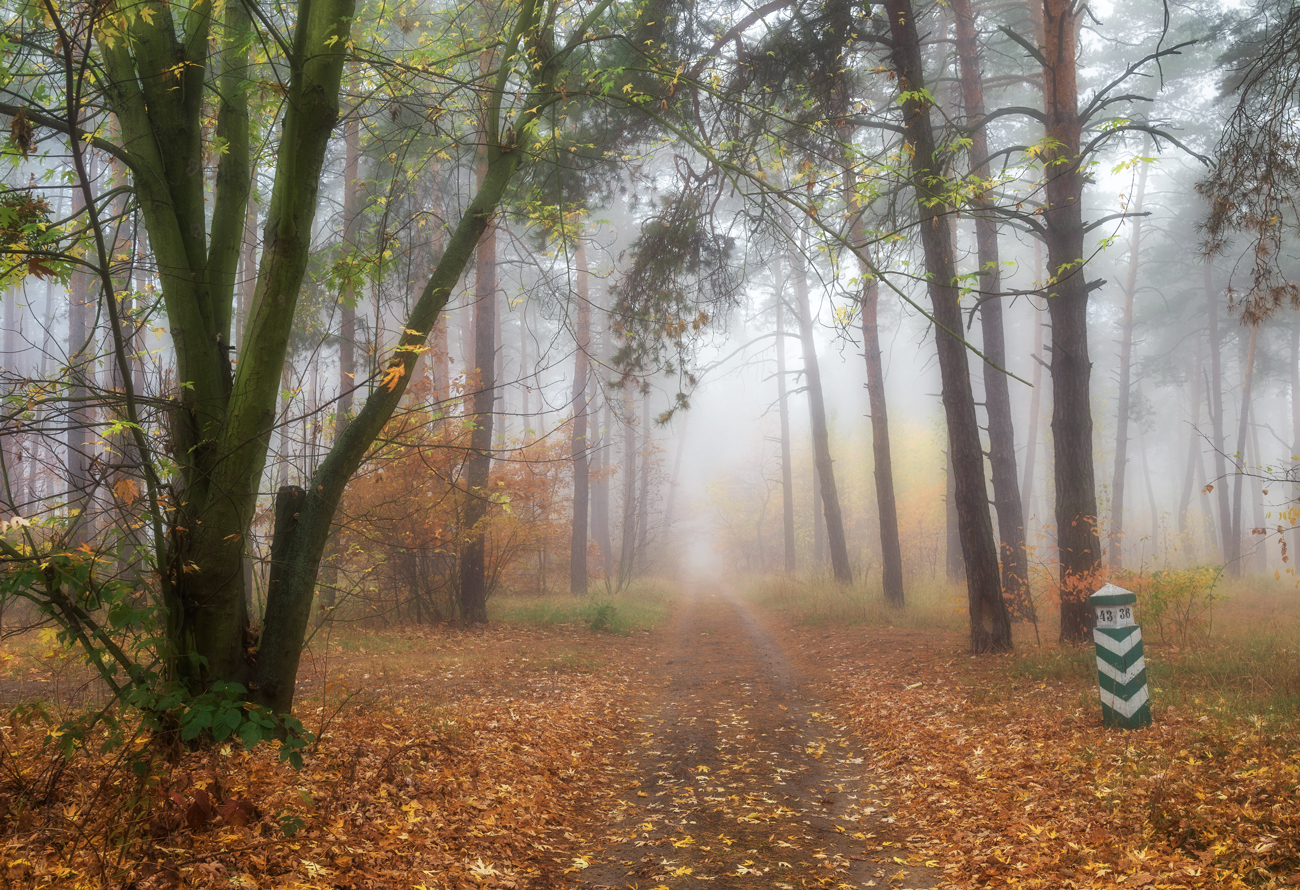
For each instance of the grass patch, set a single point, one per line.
(818, 600)
(642, 606)
(1243, 661)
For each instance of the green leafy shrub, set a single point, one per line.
(1177, 604)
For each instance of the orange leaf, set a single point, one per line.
(392, 375)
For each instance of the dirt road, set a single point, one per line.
(740, 777)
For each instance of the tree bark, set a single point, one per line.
(990, 625)
(1194, 442)
(1231, 554)
(1295, 436)
(820, 436)
(1236, 564)
(783, 410)
(600, 491)
(891, 551)
(1035, 397)
(1116, 549)
(478, 466)
(997, 394)
(627, 550)
(1076, 489)
(643, 497)
(579, 444)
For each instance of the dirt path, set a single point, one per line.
(739, 776)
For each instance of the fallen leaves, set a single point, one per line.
(1024, 788)
(480, 789)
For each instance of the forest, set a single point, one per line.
(439, 440)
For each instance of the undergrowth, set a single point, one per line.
(817, 599)
(643, 605)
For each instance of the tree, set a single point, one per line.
(1125, 379)
(150, 65)
(825, 469)
(1002, 439)
(990, 625)
(580, 447)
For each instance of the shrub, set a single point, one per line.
(1177, 603)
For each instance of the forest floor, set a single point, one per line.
(728, 747)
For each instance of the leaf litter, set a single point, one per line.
(718, 751)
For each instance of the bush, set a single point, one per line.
(1177, 603)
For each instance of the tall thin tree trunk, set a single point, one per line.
(600, 490)
(473, 570)
(579, 444)
(1076, 490)
(1151, 494)
(1036, 396)
(81, 352)
(1216, 543)
(627, 552)
(526, 375)
(891, 551)
(1116, 549)
(997, 393)
(1260, 558)
(1231, 553)
(818, 522)
(643, 496)
(783, 409)
(1238, 531)
(1194, 441)
(820, 436)
(1295, 433)
(953, 564)
(670, 505)
(990, 625)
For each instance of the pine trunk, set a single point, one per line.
(1076, 489)
(579, 446)
(891, 551)
(990, 625)
(820, 435)
(783, 410)
(997, 393)
(1116, 549)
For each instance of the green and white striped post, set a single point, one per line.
(1121, 669)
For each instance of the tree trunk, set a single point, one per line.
(1193, 445)
(1076, 490)
(579, 446)
(1035, 397)
(891, 551)
(990, 625)
(818, 522)
(627, 550)
(81, 357)
(820, 436)
(1238, 532)
(783, 409)
(1260, 551)
(11, 446)
(1116, 549)
(643, 497)
(955, 568)
(1231, 552)
(1295, 436)
(473, 570)
(997, 394)
(600, 491)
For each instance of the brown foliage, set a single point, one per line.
(405, 528)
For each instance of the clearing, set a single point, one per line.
(729, 746)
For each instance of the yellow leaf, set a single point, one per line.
(392, 375)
